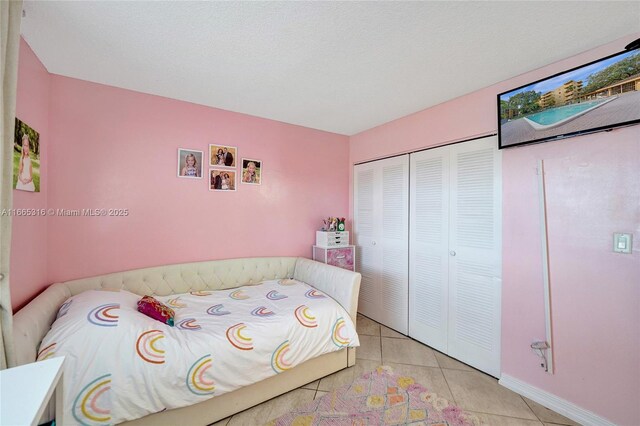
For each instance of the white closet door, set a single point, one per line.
(381, 227)
(429, 247)
(475, 255)
(394, 242)
(365, 233)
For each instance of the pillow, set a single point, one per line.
(156, 310)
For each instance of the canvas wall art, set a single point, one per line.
(222, 156)
(190, 163)
(222, 180)
(251, 171)
(26, 158)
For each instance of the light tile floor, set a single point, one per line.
(464, 386)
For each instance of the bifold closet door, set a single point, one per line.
(475, 250)
(429, 247)
(381, 232)
(455, 251)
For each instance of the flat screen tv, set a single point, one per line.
(597, 96)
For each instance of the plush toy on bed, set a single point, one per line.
(156, 310)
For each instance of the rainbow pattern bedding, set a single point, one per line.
(122, 365)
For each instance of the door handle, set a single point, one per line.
(452, 252)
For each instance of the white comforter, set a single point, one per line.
(123, 365)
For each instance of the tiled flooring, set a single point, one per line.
(472, 390)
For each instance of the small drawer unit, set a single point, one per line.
(328, 239)
(342, 257)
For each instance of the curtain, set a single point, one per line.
(10, 16)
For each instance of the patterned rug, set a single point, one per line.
(378, 398)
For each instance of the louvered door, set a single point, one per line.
(381, 236)
(365, 233)
(475, 242)
(394, 240)
(429, 247)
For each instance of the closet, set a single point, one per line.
(451, 263)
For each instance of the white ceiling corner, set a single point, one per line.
(342, 67)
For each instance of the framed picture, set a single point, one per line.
(222, 156)
(251, 171)
(26, 158)
(190, 164)
(222, 180)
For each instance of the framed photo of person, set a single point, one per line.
(251, 171)
(222, 156)
(190, 164)
(26, 158)
(222, 180)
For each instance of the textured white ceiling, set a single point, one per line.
(343, 67)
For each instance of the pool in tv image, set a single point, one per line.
(602, 94)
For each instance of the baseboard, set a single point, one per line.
(553, 402)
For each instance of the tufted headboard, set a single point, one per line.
(33, 321)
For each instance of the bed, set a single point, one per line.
(274, 285)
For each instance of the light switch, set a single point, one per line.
(622, 243)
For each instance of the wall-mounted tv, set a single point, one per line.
(597, 96)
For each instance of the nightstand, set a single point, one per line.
(27, 389)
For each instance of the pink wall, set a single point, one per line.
(594, 190)
(28, 272)
(115, 148)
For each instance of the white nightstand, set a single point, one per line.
(25, 392)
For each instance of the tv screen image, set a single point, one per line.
(596, 96)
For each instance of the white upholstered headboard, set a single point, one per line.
(32, 322)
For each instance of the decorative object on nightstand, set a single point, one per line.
(332, 247)
(27, 389)
(330, 224)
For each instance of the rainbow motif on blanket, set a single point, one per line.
(188, 324)
(103, 316)
(146, 347)
(200, 293)
(93, 402)
(262, 311)
(47, 352)
(238, 295)
(64, 309)
(235, 337)
(304, 317)
(217, 310)
(196, 381)
(337, 333)
(314, 294)
(275, 295)
(287, 281)
(176, 303)
(279, 363)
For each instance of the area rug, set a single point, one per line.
(378, 398)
